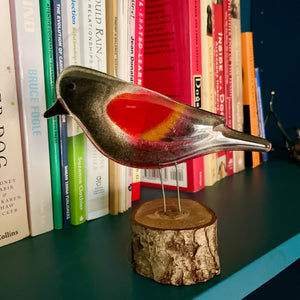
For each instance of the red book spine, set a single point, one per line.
(172, 36)
(228, 76)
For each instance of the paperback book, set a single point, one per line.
(72, 56)
(112, 69)
(167, 69)
(58, 54)
(218, 51)
(123, 73)
(27, 43)
(54, 149)
(136, 66)
(260, 113)
(93, 55)
(13, 209)
(208, 96)
(227, 29)
(249, 94)
(237, 83)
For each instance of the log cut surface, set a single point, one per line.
(175, 248)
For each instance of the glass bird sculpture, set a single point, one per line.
(140, 128)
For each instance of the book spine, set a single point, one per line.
(249, 92)
(111, 9)
(194, 16)
(58, 53)
(13, 210)
(139, 42)
(260, 113)
(131, 65)
(218, 39)
(112, 69)
(167, 70)
(237, 84)
(46, 25)
(31, 95)
(138, 66)
(208, 100)
(93, 51)
(123, 73)
(228, 76)
(71, 33)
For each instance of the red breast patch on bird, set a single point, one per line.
(144, 116)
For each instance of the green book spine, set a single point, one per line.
(77, 177)
(49, 74)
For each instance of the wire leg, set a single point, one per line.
(162, 189)
(177, 184)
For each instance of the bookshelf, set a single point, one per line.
(258, 221)
(258, 225)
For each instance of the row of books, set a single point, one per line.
(195, 53)
(52, 176)
(191, 51)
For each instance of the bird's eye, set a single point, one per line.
(71, 86)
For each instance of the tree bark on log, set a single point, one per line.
(175, 248)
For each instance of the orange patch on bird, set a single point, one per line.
(144, 116)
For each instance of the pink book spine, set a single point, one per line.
(139, 42)
(218, 40)
(228, 75)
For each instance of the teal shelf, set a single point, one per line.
(258, 236)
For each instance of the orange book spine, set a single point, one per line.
(249, 93)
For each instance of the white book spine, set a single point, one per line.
(208, 100)
(31, 96)
(13, 211)
(123, 73)
(72, 55)
(237, 83)
(93, 55)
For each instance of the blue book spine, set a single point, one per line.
(260, 110)
(63, 137)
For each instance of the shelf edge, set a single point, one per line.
(252, 276)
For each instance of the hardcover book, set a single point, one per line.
(31, 96)
(72, 56)
(93, 55)
(13, 210)
(172, 66)
(237, 83)
(208, 97)
(46, 24)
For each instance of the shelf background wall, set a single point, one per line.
(275, 25)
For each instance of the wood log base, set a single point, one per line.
(175, 248)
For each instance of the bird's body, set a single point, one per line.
(140, 128)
